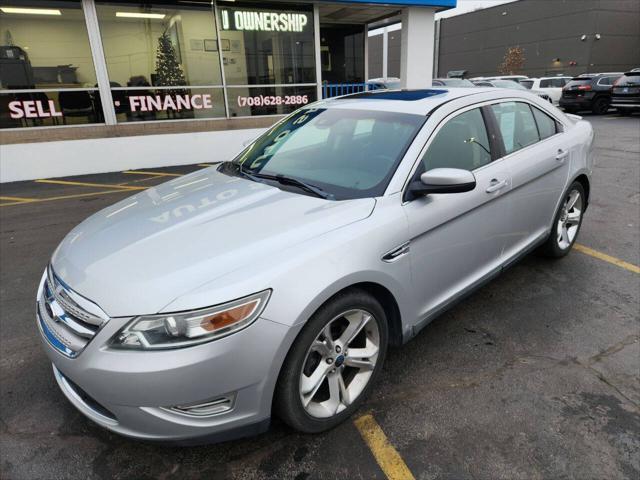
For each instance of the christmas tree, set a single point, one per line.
(168, 70)
(513, 61)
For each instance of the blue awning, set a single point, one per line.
(403, 3)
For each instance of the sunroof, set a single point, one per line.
(405, 95)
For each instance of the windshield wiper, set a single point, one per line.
(307, 187)
(282, 179)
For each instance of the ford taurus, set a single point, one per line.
(273, 283)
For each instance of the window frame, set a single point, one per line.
(498, 133)
(492, 130)
(418, 160)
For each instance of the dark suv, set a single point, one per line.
(625, 96)
(588, 92)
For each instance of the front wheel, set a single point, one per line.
(566, 223)
(333, 363)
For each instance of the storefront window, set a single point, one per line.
(151, 48)
(47, 76)
(262, 45)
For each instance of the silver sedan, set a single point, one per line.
(274, 282)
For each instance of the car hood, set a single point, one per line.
(140, 254)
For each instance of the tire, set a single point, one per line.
(557, 245)
(304, 360)
(600, 106)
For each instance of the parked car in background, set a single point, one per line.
(588, 92)
(451, 82)
(515, 78)
(625, 95)
(510, 84)
(274, 282)
(552, 86)
(390, 83)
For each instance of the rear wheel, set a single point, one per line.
(600, 106)
(333, 364)
(566, 223)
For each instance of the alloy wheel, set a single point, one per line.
(569, 220)
(339, 363)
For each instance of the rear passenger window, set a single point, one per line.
(546, 125)
(516, 124)
(545, 83)
(461, 143)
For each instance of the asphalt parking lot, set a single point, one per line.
(534, 376)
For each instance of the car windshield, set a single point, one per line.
(345, 153)
(508, 84)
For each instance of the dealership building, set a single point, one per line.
(91, 86)
(557, 37)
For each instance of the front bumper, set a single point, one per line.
(132, 392)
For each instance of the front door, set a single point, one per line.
(457, 239)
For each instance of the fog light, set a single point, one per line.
(206, 409)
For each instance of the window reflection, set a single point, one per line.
(149, 44)
(266, 45)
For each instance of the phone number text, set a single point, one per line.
(268, 100)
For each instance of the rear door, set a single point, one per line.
(537, 157)
(457, 239)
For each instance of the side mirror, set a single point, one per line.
(443, 180)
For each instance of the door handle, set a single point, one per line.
(496, 185)
(562, 154)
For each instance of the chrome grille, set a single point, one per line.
(68, 320)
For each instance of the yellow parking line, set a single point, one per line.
(156, 174)
(61, 197)
(387, 457)
(205, 165)
(607, 258)
(89, 184)
(18, 199)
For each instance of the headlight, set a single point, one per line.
(176, 330)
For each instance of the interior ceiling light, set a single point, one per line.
(158, 16)
(31, 11)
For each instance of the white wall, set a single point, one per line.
(30, 161)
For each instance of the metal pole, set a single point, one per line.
(436, 55)
(316, 37)
(99, 62)
(385, 51)
(221, 60)
(366, 54)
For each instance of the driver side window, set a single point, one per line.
(461, 143)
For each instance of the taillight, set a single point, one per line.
(584, 87)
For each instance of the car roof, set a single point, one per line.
(418, 102)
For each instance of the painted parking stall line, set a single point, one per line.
(152, 174)
(385, 454)
(91, 184)
(18, 199)
(606, 258)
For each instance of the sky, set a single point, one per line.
(470, 5)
